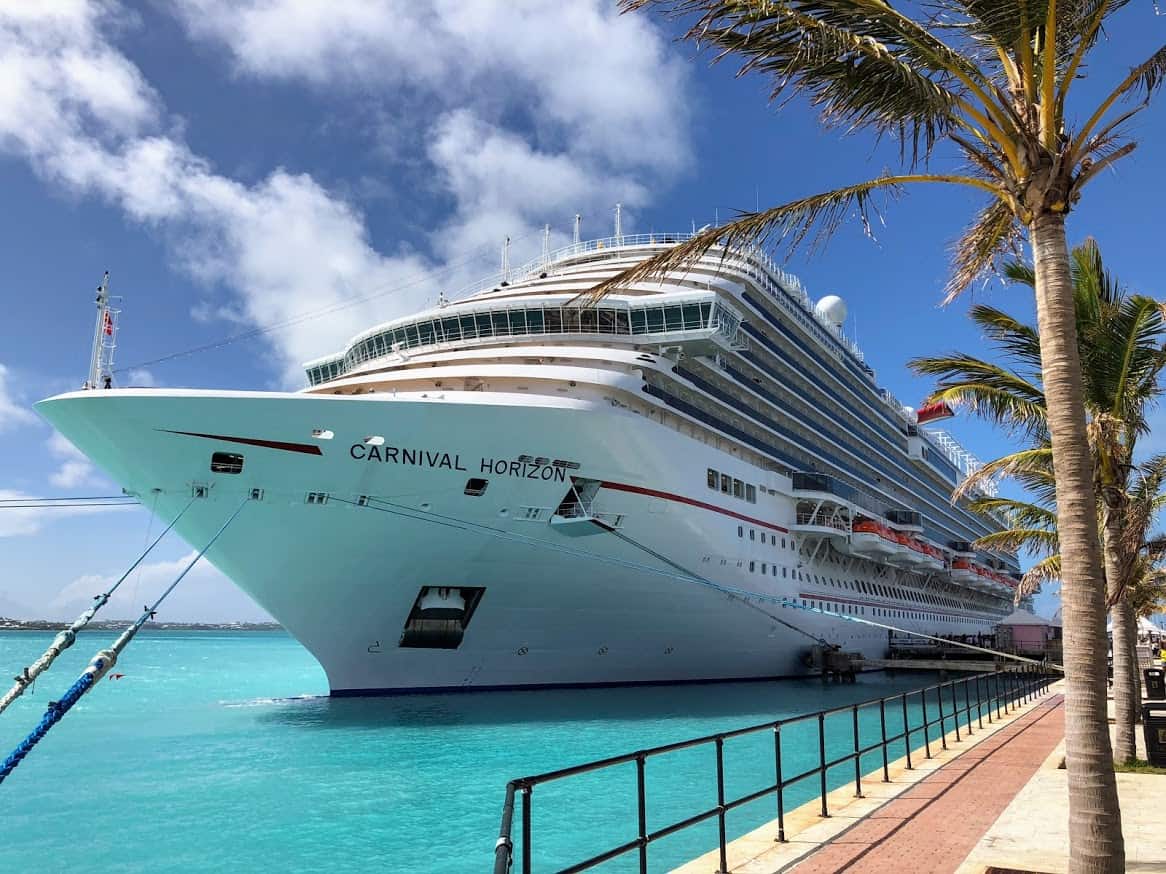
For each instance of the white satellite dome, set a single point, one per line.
(831, 309)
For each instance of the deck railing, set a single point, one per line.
(981, 693)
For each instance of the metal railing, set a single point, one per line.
(981, 693)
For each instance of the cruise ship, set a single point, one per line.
(515, 490)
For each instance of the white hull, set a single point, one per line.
(562, 604)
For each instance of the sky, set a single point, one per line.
(311, 169)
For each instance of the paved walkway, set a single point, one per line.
(935, 824)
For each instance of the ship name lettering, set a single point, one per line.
(400, 455)
(521, 469)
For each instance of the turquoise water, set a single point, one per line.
(216, 752)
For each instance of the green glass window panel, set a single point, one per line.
(485, 328)
(607, 321)
(655, 319)
(706, 310)
(534, 321)
(411, 338)
(425, 333)
(517, 321)
(621, 322)
(673, 318)
(588, 320)
(501, 324)
(553, 318)
(469, 329)
(639, 322)
(691, 316)
(570, 320)
(452, 329)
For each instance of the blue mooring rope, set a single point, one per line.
(102, 662)
(55, 711)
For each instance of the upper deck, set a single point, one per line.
(726, 302)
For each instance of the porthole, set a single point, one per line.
(226, 462)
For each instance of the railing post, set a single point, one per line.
(968, 705)
(642, 811)
(980, 704)
(996, 683)
(526, 790)
(857, 756)
(942, 725)
(926, 731)
(724, 869)
(883, 728)
(955, 712)
(906, 732)
(822, 760)
(780, 790)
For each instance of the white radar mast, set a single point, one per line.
(104, 339)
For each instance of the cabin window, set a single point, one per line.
(316, 498)
(740, 530)
(226, 462)
(476, 487)
(738, 489)
(752, 567)
(713, 479)
(751, 494)
(752, 534)
(726, 484)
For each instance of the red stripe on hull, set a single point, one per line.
(305, 448)
(692, 502)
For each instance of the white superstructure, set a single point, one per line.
(512, 490)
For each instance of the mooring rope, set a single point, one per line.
(66, 638)
(100, 664)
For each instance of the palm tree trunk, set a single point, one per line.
(1125, 659)
(1095, 838)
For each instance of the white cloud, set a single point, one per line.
(12, 413)
(139, 377)
(602, 107)
(204, 595)
(595, 82)
(75, 469)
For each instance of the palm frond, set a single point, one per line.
(1018, 513)
(994, 233)
(1038, 540)
(818, 215)
(1047, 570)
(1010, 335)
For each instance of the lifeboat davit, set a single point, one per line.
(961, 572)
(868, 537)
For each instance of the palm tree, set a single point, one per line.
(1120, 345)
(1135, 580)
(990, 79)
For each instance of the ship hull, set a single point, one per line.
(664, 580)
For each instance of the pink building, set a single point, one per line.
(1024, 632)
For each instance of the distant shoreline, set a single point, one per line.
(119, 624)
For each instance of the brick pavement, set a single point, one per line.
(934, 825)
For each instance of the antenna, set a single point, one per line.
(104, 339)
(506, 262)
(546, 243)
(578, 225)
(716, 216)
(694, 227)
(618, 224)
